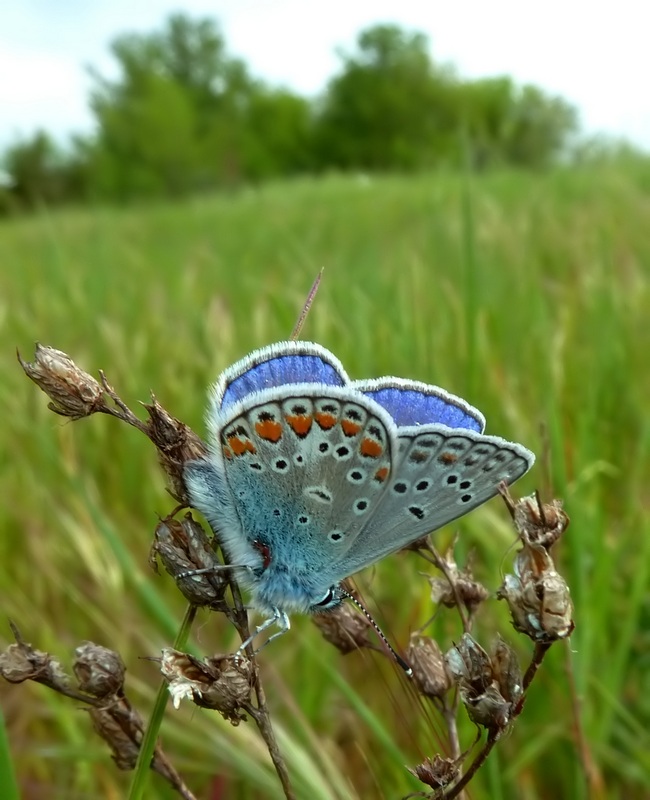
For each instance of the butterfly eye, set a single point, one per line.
(329, 600)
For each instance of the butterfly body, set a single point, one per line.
(312, 476)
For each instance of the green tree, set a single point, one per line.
(281, 134)
(542, 128)
(170, 121)
(34, 166)
(509, 124)
(183, 115)
(390, 107)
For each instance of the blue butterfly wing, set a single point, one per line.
(441, 471)
(297, 466)
(306, 465)
(277, 365)
(320, 477)
(415, 403)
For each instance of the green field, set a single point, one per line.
(527, 294)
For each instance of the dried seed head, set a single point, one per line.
(468, 662)
(507, 672)
(184, 546)
(436, 772)
(489, 687)
(176, 444)
(456, 585)
(21, 662)
(121, 728)
(73, 392)
(100, 671)
(430, 671)
(222, 683)
(490, 710)
(538, 596)
(539, 523)
(344, 627)
(536, 522)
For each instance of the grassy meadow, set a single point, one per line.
(527, 294)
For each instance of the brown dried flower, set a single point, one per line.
(100, 671)
(121, 727)
(73, 392)
(538, 596)
(489, 687)
(222, 683)
(427, 661)
(176, 444)
(183, 546)
(344, 627)
(21, 662)
(456, 585)
(536, 522)
(436, 772)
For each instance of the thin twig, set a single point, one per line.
(594, 780)
(260, 712)
(438, 561)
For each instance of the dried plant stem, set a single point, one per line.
(595, 787)
(76, 394)
(481, 758)
(148, 744)
(124, 413)
(260, 712)
(22, 662)
(433, 557)
(449, 713)
(541, 648)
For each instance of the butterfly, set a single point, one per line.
(312, 476)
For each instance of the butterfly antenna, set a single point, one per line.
(407, 669)
(305, 309)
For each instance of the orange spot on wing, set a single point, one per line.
(241, 446)
(301, 423)
(269, 429)
(227, 453)
(381, 474)
(370, 448)
(350, 428)
(325, 420)
(448, 458)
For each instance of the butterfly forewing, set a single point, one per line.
(306, 468)
(278, 364)
(440, 474)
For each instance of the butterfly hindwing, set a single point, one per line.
(415, 403)
(440, 474)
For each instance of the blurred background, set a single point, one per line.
(475, 180)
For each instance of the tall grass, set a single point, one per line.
(528, 294)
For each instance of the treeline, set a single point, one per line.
(184, 116)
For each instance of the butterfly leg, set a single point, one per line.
(278, 617)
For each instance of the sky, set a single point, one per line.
(594, 54)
